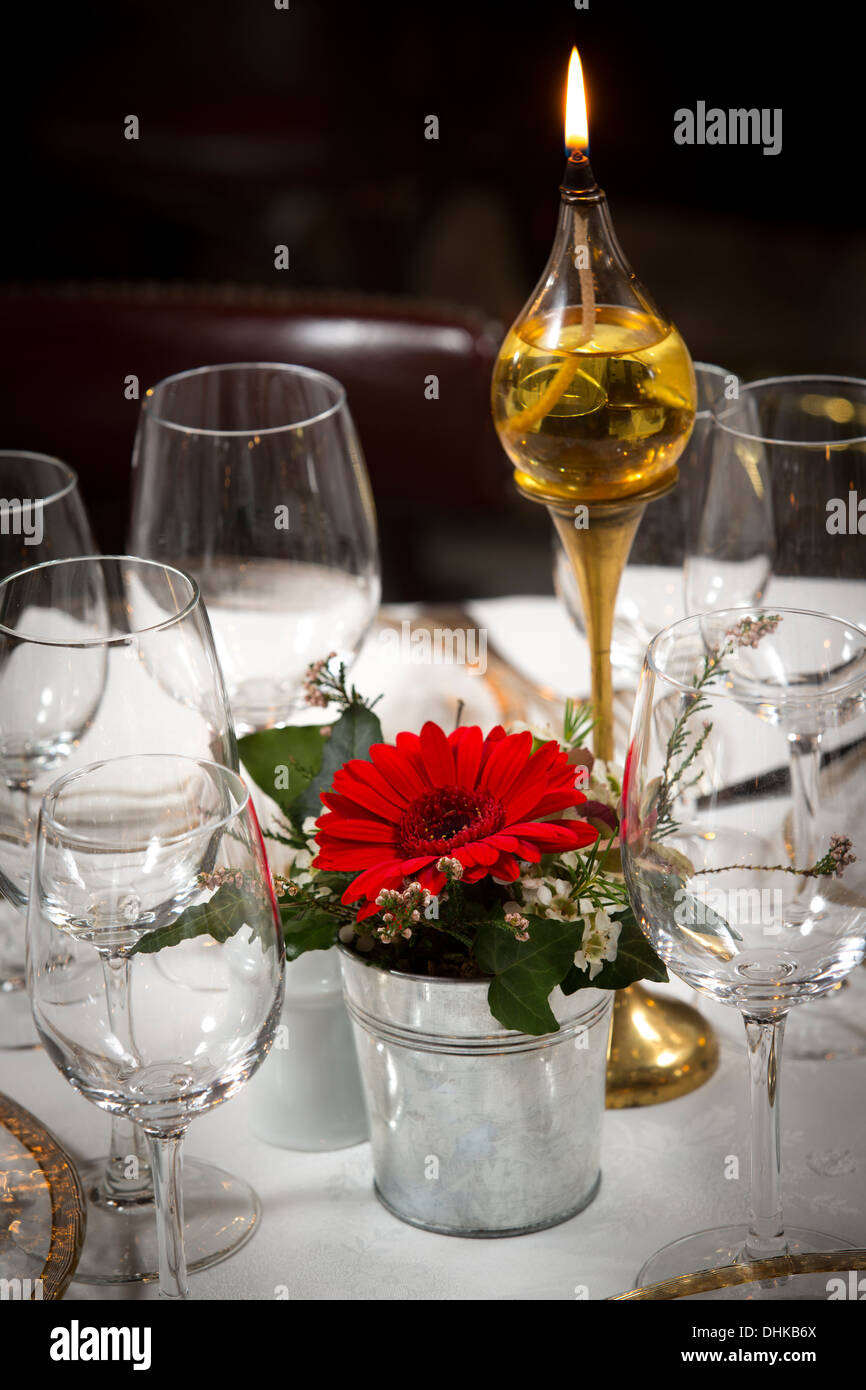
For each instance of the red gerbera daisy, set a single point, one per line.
(472, 798)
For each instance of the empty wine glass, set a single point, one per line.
(137, 858)
(104, 657)
(763, 931)
(801, 442)
(42, 516)
(251, 476)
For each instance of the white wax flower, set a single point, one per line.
(599, 944)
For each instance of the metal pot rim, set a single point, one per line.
(397, 1005)
(408, 975)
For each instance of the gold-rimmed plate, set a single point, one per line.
(834, 1275)
(42, 1210)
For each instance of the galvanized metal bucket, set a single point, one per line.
(477, 1131)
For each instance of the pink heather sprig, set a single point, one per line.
(324, 686)
(831, 865)
(284, 887)
(749, 631)
(401, 911)
(837, 858)
(450, 867)
(518, 924)
(317, 675)
(221, 877)
(235, 878)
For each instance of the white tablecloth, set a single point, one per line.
(323, 1234)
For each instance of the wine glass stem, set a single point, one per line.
(805, 761)
(127, 1172)
(165, 1162)
(766, 1230)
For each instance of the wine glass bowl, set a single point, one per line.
(99, 656)
(252, 475)
(762, 935)
(802, 441)
(42, 516)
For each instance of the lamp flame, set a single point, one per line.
(576, 121)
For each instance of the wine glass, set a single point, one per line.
(763, 931)
(802, 441)
(730, 537)
(251, 476)
(135, 858)
(42, 516)
(694, 528)
(104, 657)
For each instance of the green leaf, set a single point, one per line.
(351, 737)
(526, 971)
(220, 917)
(283, 762)
(635, 960)
(307, 929)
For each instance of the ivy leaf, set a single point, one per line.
(526, 971)
(351, 737)
(220, 917)
(307, 929)
(635, 960)
(283, 762)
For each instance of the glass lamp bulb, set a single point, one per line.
(593, 390)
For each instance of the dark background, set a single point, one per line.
(306, 127)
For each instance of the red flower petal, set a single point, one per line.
(358, 830)
(534, 783)
(437, 755)
(467, 744)
(351, 782)
(345, 806)
(388, 873)
(567, 834)
(505, 764)
(409, 748)
(335, 855)
(397, 770)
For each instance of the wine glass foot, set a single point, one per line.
(17, 1029)
(725, 1245)
(832, 1028)
(221, 1213)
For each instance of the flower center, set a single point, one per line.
(441, 820)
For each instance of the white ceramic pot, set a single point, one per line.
(307, 1095)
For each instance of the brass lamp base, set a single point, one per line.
(659, 1049)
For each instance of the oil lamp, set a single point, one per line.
(593, 400)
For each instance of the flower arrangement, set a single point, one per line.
(468, 856)
(457, 855)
